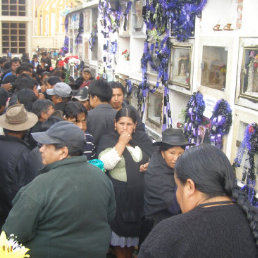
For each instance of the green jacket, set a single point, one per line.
(64, 212)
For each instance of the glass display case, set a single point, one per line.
(154, 108)
(180, 66)
(249, 73)
(214, 67)
(247, 76)
(133, 97)
(124, 29)
(137, 19)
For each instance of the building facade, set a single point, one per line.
(15, 27)
(49, 21)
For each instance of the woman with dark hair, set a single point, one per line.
(159, 184)
(86, 76)
(217, 219)
(124, 159)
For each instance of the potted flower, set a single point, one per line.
(126, 55)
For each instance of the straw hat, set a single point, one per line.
(18, 119)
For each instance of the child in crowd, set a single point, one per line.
(76, 113)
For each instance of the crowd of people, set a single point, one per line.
(161, 199)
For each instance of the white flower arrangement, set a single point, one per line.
(10, 248)
(74, 61)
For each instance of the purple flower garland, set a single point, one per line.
(78, 39)
(92, 39)
(110, 16)
(221, 121)
(163, 16)
(66, 45)
(110, 22)
(129, 87)
(162, 50)
(178, 15)
(126, 12)
(194, 116)
(65, 48)
(250, 143)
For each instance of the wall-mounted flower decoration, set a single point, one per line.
(126, 55)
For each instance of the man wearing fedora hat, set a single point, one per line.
(18, 165)
(159, 184)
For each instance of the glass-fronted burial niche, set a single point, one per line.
(180, 72)
(154, 111)
(214, 67)
(137, 16)
(249, 73)
(245, 160)
(133, 98)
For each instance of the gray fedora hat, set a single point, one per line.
(18, 119)
(173, 137)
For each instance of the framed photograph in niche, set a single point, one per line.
(137, 19)
(249, 73)
(154, 108)
(214, 67)
(180, 66)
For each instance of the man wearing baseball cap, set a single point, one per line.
(60, 94)
(65, 212)
(18, 166)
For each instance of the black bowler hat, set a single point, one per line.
(173, 137)
(81, 94)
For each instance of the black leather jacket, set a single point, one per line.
(18, 166)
